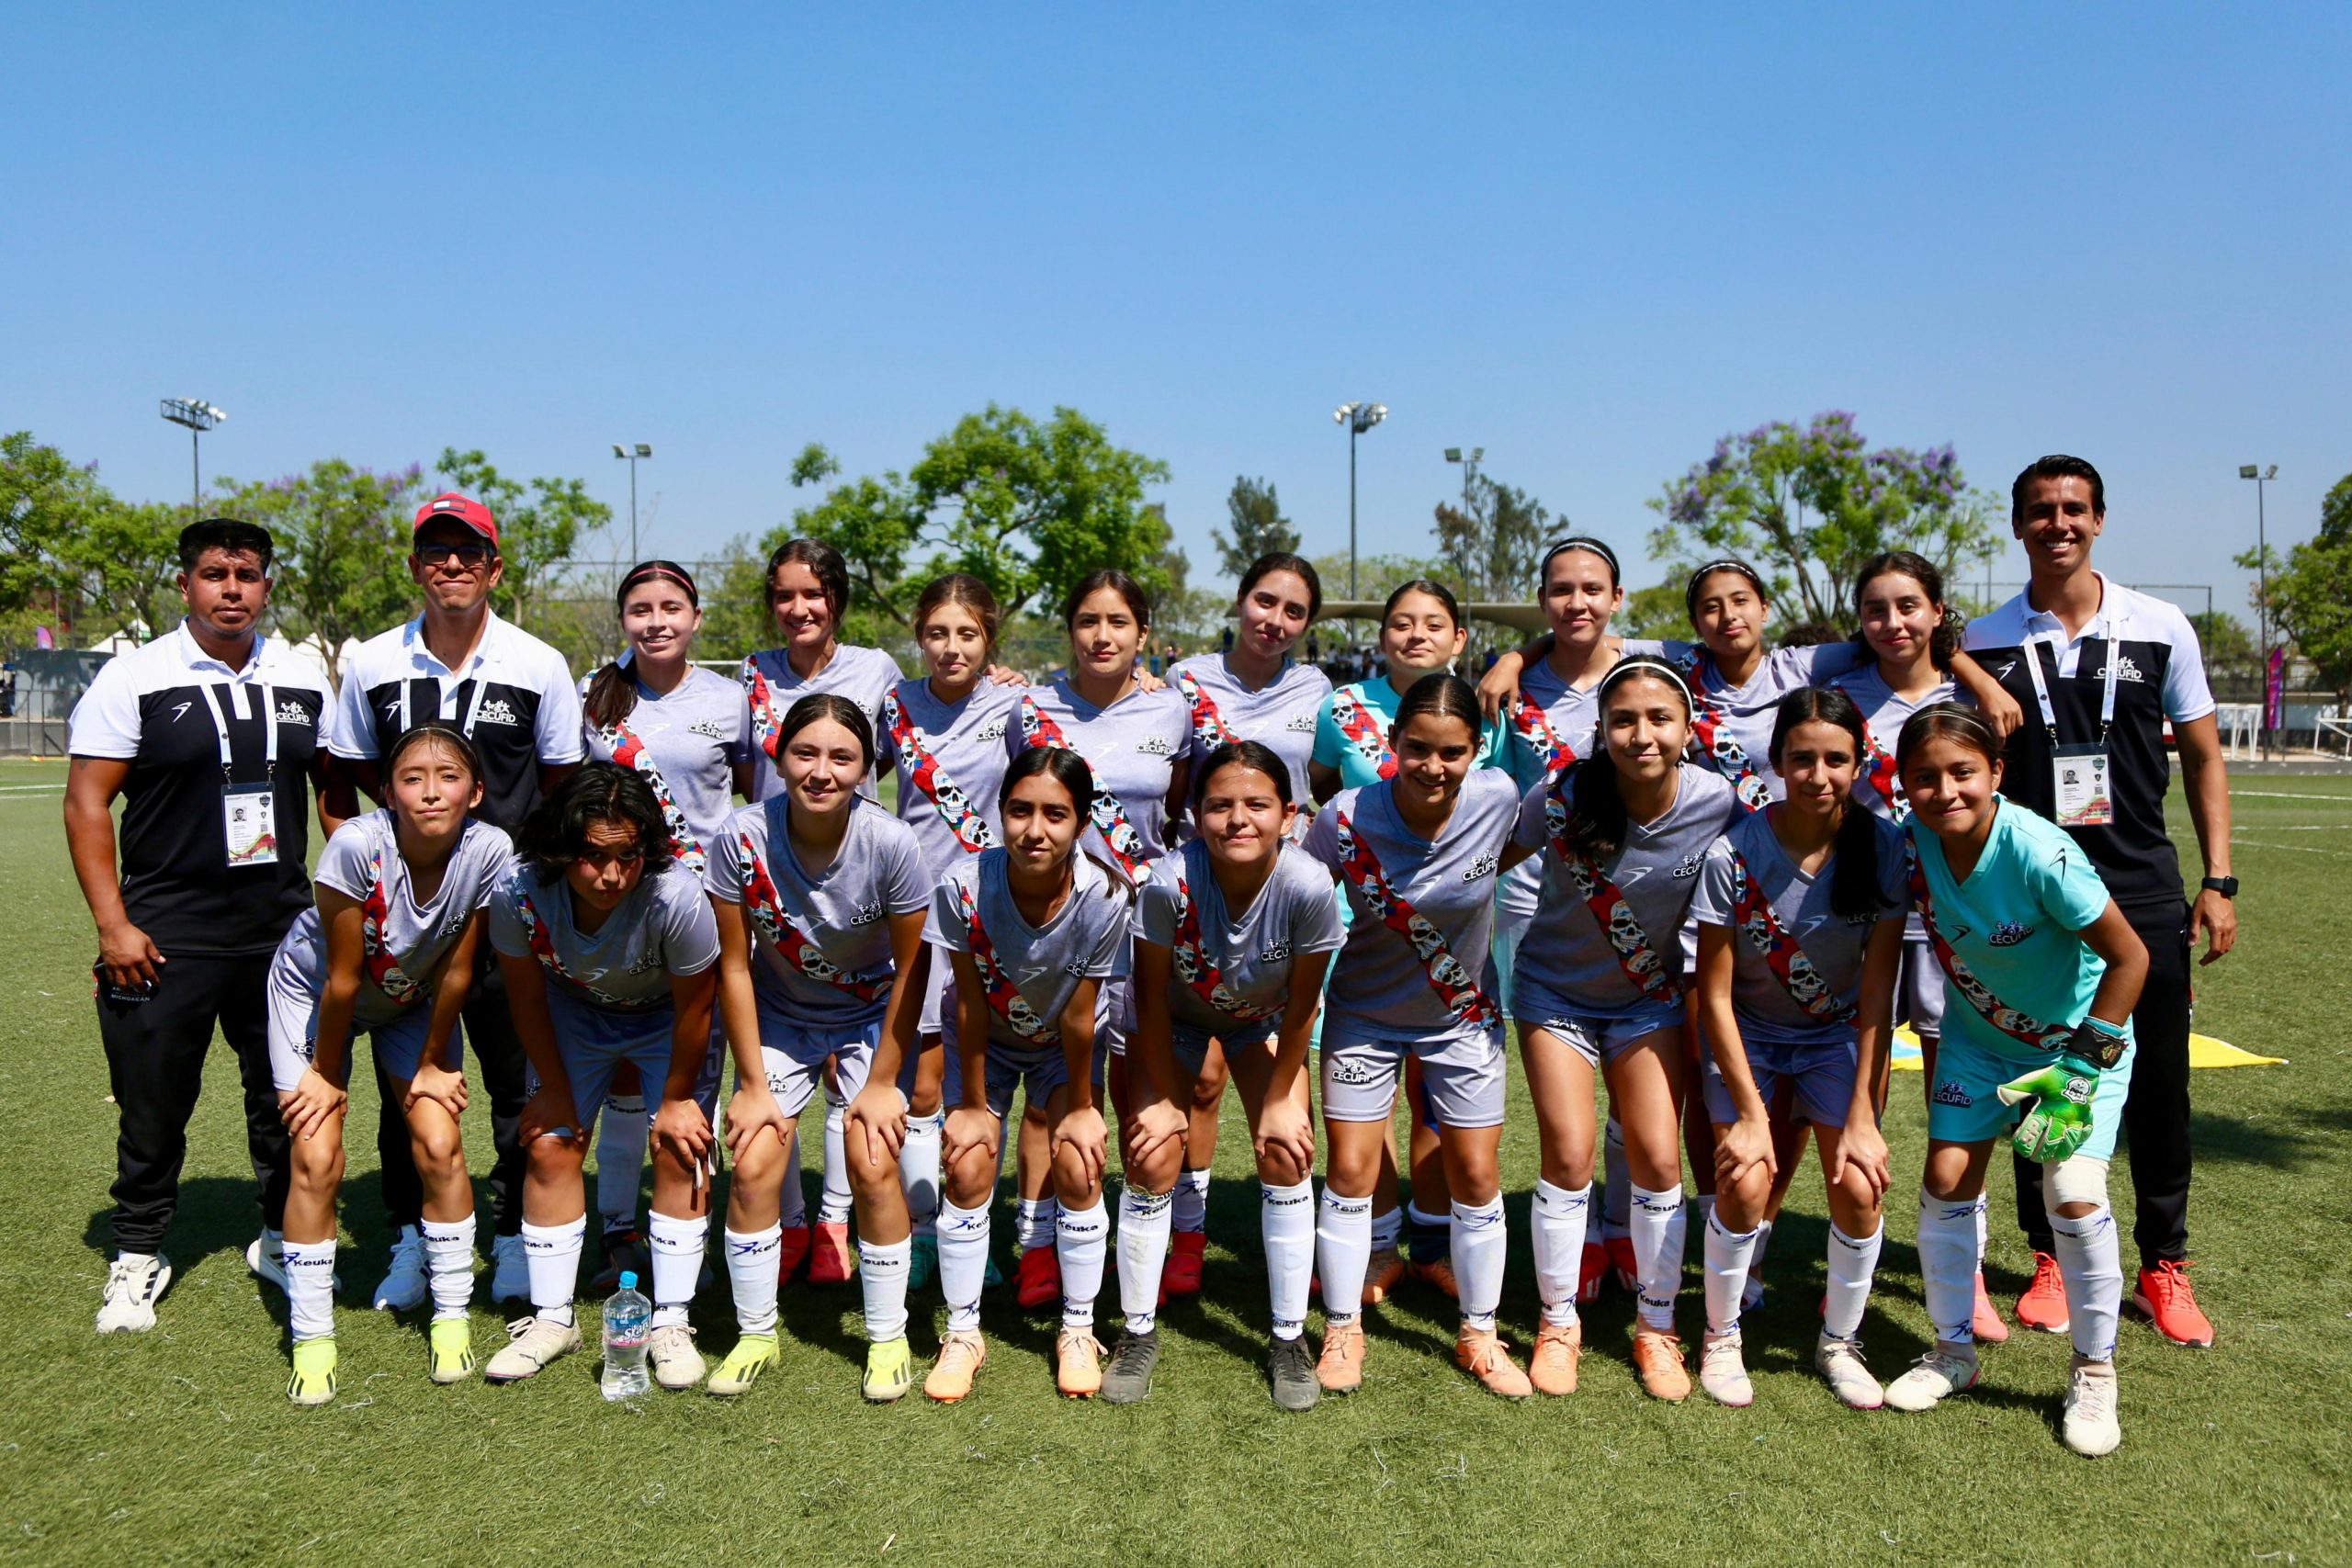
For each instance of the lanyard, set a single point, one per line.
(2041, 688)
(473, 702)
(269, 712)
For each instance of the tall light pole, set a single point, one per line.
(1469, 470)
(1358, 418)
(2262, 477)
(199, 416)
(632, 454)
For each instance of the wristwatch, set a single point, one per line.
(2227, 887)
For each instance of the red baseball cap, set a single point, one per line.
(461, 509)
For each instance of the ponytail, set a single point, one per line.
(612, 694)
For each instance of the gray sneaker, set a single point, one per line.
(533, 1342)
(2091, 1428)
(671, 1351)
(1947, 1369)
(1291, 1369)
(1127, 1380)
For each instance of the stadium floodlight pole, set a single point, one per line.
(199, 416)
(2261, 477)
(1469, 469)
(632, 454)
(1358, 418)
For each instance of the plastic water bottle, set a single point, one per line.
(627, 1315)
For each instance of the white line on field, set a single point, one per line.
(32, 789)
(2282, 795)
(2296, 848)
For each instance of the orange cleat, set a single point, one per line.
(1181, 1275)
(2043, 1306)
(1437, 1275)
(2164, 1299)
(1593, 1274)
(961, 1355)
(1381, 1279)
(1077, 1363)
(1657, 1358)
(792, 1247)
(1482, 1354)
(1552, 1367)
(1986, 1325)
(1622, 1263)
(1340, 1366)
(1038, 1280)
(831, 1262)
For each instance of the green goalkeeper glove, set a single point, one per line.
(2060, 1122)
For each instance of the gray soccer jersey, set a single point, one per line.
(1086, 939)
(362, 862)
(1279, 716)
(1133, 746)
(1567, 953)
(843, 914)
(606, 983)
(1293, 916)
(967, 742)
(1379, 988)
(694, 735)
(1832, 942)
(771, 686)
(1884, 714)
(1749, 709)
(1573, 714)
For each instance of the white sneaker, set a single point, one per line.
(134, 1283)
(266, 1257)
(510, 1278)
(2091, 1428)
(404, 1286)
(1840, 1362)
(670, 1350)
(532, 1343)
(1947, 1368)
(1723, 1372)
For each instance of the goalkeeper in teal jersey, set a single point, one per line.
(2040, 973)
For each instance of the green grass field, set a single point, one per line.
(179, 1446)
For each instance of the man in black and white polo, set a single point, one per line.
(2100, 670)
(514, 695)
(211, 735)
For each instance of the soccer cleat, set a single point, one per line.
(961, 1355)
(265, 1258)
(2043, 1306)
(313, 1378)
(1946, 1369)
(2090, 1427)
(1437, 1275)
(922, 1262)
(1840, 1362)
(1077, 1363)
(792, 1245)
(531, 1344)
(889, 1372)
(1340, 1366)
(1040, 1278)
(1382, 1275)
(1723, 1370)
(1985, 1323)
(134, 1284)
(1291, 1372)
(1551, 1365)
(1127, 1380)
(1594, 1273)
(2163, 1297)
(830, 1261)
(624, 1254)
(753, 1354)
(1181, 1275)
(450, 1355)
(510, 1274)
(670, 1351)
(1622, 1263)
(1482, 1354)
(404, 1285)
(1657, 1358)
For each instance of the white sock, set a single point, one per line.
(1287, 1222)
(1034, 1222)
(833, 1201)
(1947, 1264)
(1656, 1222)
(1343, 1247)
(1981, 1229)
(553, 1253)
(1191, 1213)
(1480, 1239)
(1081, 1236)
(752, 1258)
(450, 1265)
(919, 1169)
(620, 1159)
(882, 1277)
(309, 1289)
(1755, 1258)
(962, 1263)
(1389, 1228)
(1143, 1252)
(2090, 1261)
(1617, 1189)
(1851, 1264)
(792, 1203)
(678, 1248)
(1726, 1254)
(1559, 1215)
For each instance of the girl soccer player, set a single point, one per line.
(1031, 930)
(1233, 935)
(819, 896)
(1599, 989)
(1255, 691)
(607, 941)
(2041, 971)
(1418, 853)
(388, 949)
(1800, 910)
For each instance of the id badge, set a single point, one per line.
(249, 821)
(2083, 797)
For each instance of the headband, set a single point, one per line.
(1579, 542)
(1690, 592)
(1646, 664)
(663, 571)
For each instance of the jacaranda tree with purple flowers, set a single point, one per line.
(1807, 505)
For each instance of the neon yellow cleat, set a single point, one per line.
(452, 1340)
(889, 1372)
(753, 1354)
(313, 1378)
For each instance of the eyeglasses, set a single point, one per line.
(469, 555)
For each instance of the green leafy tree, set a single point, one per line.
(342, 535)
(2311, 591)
(1806, 506)
(1656, 612)
(1491, 543)
(540, 525)
(77, 557)
(1255, 518)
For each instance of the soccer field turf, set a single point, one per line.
(178, 1445)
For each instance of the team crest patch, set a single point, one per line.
(1275, 952)
(708, 728)
(1950, 1093)
(868, 913)
(1351, 1071)
(1483, 866)
(497, 710)
(1301, 724)
(2126, 671)
(294, 712)
(2008, 934)
(992, 730)
(1689, 867)
(1156, 745)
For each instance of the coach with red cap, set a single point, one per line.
(513, 696)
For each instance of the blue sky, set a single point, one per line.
(1590, 243)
